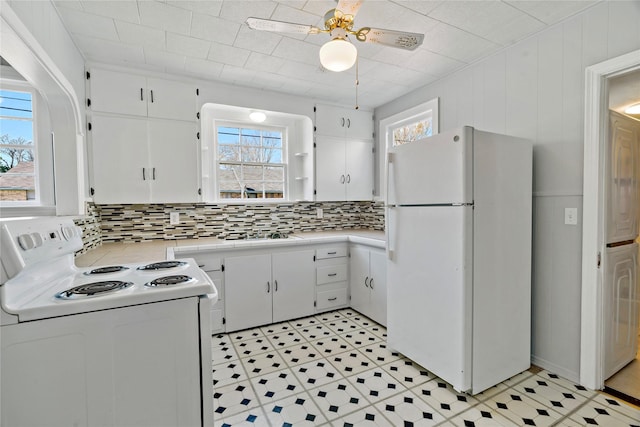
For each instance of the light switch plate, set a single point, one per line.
(319, 213)
(571, 216)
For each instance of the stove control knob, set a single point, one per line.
(37, 239)
(69, 232)
(26, 242)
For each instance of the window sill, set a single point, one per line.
(8, 211)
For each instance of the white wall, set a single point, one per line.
(37, 45)
(535, 90)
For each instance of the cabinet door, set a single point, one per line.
(119, 160)
(173, 161)
(113, 92)
(330, 121)
(330, 164)
(359, 279)
(378, 286)
(248, 290)
(293, 284)
(171, 100)
(359, 124)
(359, 170)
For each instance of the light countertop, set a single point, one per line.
(155, 250)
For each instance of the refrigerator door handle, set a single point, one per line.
(388, 173)
(389, 221)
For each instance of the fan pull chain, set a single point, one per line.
(357, 83)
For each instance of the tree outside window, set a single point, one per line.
(250, 162)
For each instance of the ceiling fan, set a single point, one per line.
(339, 54)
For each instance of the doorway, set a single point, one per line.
(598, 80)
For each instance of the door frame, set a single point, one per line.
(594, 204)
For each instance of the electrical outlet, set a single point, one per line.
(319, 213)
(571, 216)
(174, 218)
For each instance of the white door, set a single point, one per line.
(120, 167)
(622, 194)
(378, 286)
(429, 289)
(120, 93)
(359, 279)
(294, 280)
(171, 100)
(330, 164)
(359, 124)
(359, 170)
(248, 290)
(434, 170)
(173, 161)
(330, 121)
(620, 307)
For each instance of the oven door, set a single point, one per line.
(137, 365)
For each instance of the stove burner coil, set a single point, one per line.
(107, 269)
(162, 265)
(170, 280)
(94, 289)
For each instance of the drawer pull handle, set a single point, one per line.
(365, 282)
(333, 299)
(268, 287)
(332, 253)
(332, 274)
(371, 283)
(201, 265)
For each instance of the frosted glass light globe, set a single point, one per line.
(338, 55)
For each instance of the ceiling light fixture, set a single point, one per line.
(338, 54)
(633, 109)
(257, 116)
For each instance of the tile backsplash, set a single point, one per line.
(136, 223)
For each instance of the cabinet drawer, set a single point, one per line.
(331, 298)
(331, 252)
(331, 273)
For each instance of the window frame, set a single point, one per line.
(283, 130)
(8, 84)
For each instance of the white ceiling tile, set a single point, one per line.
(170, 61)
(109, 51)
(419, 60)
(214, 29)
(240, 10)
(422, 7)
(291, 14)
(551, 12)
(188, 46)
(320, 7)
(297, 50)
(146, 36)
(260, 62)
(124, 10)
(165, 17)
(493, 20)
(228, 55)
(69, 4)
(87, 24)
(208, 7)
(258, 41)
(457, 44)
(203, 68)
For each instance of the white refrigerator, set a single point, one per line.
(459, 208)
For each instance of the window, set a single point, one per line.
(250, 162)
(18, 183)
(416, 123)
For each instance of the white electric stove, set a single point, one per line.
(128, 344)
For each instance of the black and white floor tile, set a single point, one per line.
(334, 369)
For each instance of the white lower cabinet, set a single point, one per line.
(266, 288)
(368, 282)
(332, 277)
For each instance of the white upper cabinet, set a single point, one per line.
(131, 94)
(343, 122)
(138, 160)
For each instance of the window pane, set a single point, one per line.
(18, 181)
(18, 132)
(274, 173)
(251, 173)
(412, 132)
(251, 154)
(228, 135)
(15, 104)
(272, 155)
(274, 190)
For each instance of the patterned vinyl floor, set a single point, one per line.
(334, 369)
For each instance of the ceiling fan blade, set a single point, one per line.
(349, 7)
(280, 26)
(400, 39)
